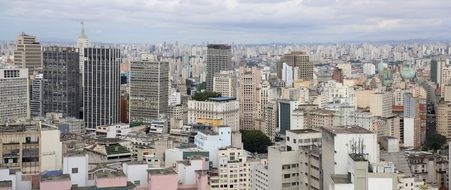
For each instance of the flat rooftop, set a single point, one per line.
(163, 171)
(348, 129)
(61, 177)
(109, 174)
(340, 178)
(304, 131)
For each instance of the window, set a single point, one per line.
(137, 183)
(75, 170)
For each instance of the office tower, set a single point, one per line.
(28, 53)
(149, 83)
(225, 82)
(338, 142)
(409, 119)
(285, 109)
(62, 76)
(37, 95)
(302, 67)
(101, 93)
(219, 57)
(287, 75)
(436, 71)
(14, 95)
(250, 79)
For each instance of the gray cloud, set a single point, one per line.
(228, 20)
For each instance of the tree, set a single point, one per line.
(255, 141)
(435, 141)
(202, 86)
(202, 96)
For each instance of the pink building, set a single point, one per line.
(202, 179)
(163, 179)
(110, 178)
(61, 181)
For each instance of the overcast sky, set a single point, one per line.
(239, 21)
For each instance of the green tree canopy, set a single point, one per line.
(435, 141)
(202, 96)
(255, 141)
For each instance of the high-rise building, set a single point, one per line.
(14, 95)
(101, 93)
(219, 57)
(233, 171)
(436, 71)
(302, 67)
(250, 79)
(444, 119)
(82, 43)
(62, 76)
(37, 95)
(28, 53)
(225, 82)
(381, 104)
(221, 108)
(149, 83)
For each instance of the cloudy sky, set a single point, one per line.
(239, 21)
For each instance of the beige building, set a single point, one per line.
(14, 95)
(443, 120)
(28, 53)
(30, 148)
(363, 98)
(381, 104)
(233, 171)
(250, 79)
(225, 82)
(221, 108)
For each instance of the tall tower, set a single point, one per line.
(28, 53)
(219, 57)
(61, 76)
(250, 79)
(82, 43)
(101, 93)
(149, 88)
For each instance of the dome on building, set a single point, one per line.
(407, 72)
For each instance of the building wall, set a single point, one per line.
(250, 79)
(111, 182)
(163, 182)
(63, 185)
(28, 53)
(219, 57)
(136, 172)
(228, 111)
(50, 150)
(225, 82)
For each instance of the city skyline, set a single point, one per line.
(290, 21)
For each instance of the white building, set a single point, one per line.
(113, 131)
(76, 165)
(287, 74)
(136, 173)
(173, 155)
(338, 142)
(302, 137)
(259, 175)
(175, 98)
(369, 69)
(346, 68)
(334, 92)
(283, 168)
(212, 141)
(225, 108)
(186, 170)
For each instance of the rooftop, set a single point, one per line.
(304, 131)
(348, 129)
(221, 99)
(109, 174)
(219, 46)
(163, 171)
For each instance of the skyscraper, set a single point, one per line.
(82, 43)
(149, 88)
(250, 79)
(101, 93)
(28, 53)
(436, 71)
(61, 81)
(14, 95)
(219, 57)
(302, 67)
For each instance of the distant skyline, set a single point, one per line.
(227, 21)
